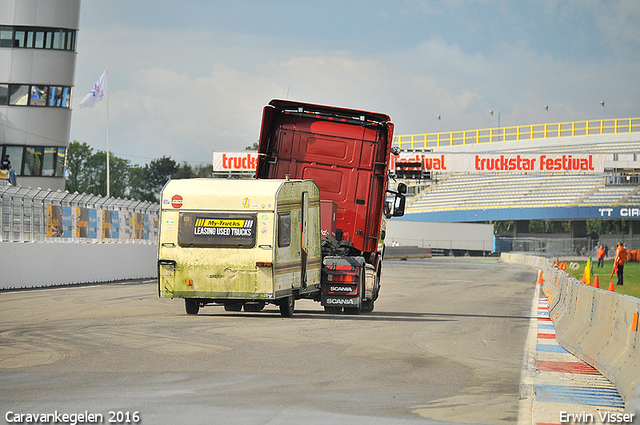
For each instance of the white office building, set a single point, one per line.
(38, 41)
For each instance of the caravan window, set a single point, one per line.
(217, 230)
(284, 229)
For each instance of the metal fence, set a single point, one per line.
(555, 247)
(521, 132)
(37, 215)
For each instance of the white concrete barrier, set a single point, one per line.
(598, 326)
(31, 265)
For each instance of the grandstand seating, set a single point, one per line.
(462, 191)
(479, 191)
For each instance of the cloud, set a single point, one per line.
(186, 91)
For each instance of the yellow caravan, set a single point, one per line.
(239, 243)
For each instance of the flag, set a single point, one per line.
(96, 94)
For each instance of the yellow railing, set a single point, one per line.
(522, 132)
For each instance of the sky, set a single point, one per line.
(190, 78)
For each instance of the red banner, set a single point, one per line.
(456, 162)
(478, 163)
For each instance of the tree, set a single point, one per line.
(87, 173)
(77, 156)
(147, 182)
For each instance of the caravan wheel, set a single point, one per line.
(287, 305)
(191, 306)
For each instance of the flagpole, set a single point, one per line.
(108, 167)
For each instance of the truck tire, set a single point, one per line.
(367, 306)
(287, 306)
(191, 306)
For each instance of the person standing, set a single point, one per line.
(618, 261)
(5, 164)
(600, 254)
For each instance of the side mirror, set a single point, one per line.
(402, 188)
(386, 209)
(398, 205)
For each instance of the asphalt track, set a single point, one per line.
(444, 344)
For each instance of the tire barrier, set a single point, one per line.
(597, 326)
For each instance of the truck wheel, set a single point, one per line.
(233, 307)
(367, 306)
(192, 306)
(287, 305)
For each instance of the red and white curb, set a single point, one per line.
(555, 386)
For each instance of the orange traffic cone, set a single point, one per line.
(556, 263)
(612, 287)
(540, 281)
(596, 282)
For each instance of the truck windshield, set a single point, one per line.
(213, 230)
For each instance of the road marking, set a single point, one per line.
(554, 382)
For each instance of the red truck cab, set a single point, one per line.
(346, 152)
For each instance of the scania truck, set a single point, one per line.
(313, 221)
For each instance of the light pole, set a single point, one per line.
(602, 104)
(491, 113)
(439, 120)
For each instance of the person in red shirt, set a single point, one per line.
(618, 261)
(601, 253)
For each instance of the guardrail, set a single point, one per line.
(598, 326)
(521, 132)
(37, 215)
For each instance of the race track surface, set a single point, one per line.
(444, 343)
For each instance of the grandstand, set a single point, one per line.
(469, 191)
(610, 192)
(458, 191)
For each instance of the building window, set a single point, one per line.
(4, 94)
(35, 95)
(60, 97)
(33, 161)
(49, 161)
(37, 38)
(20, 39)
(39, 95)
(46, 161)
(61, 157)
(6, 36)
(15, 156)
(18, 95)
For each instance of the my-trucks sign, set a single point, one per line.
(235, 161)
